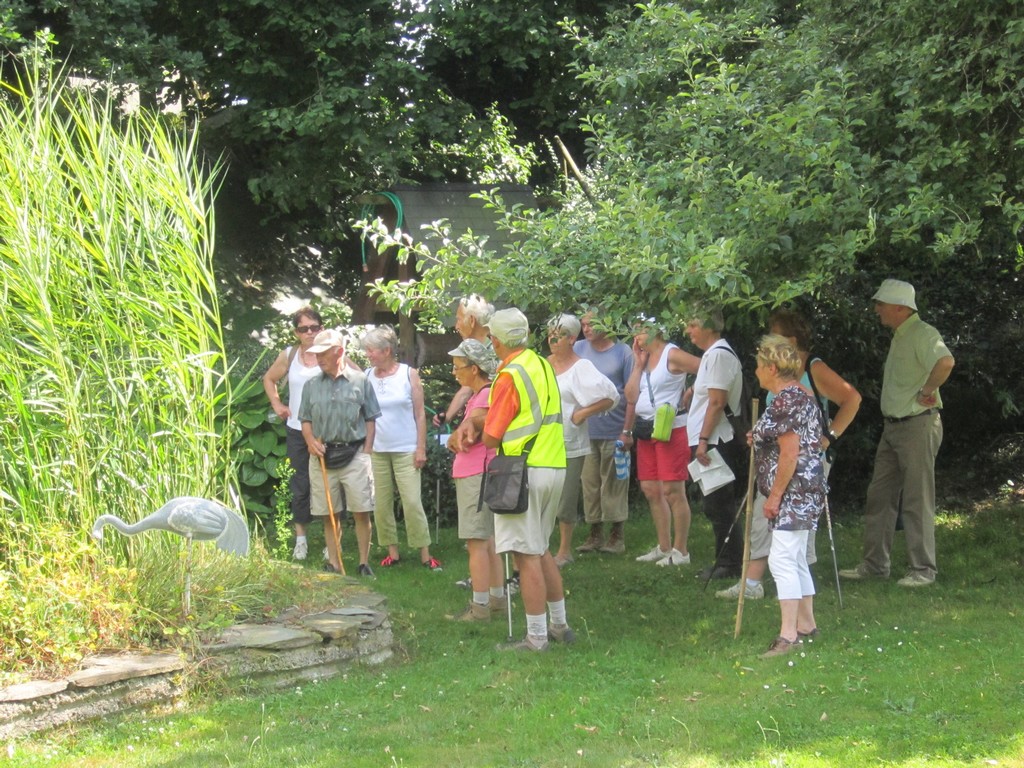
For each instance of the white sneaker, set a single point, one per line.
(300, 551)
(654, 555)
(675, 557)
(916, 579)
(733, 592)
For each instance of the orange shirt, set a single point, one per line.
(505, 403)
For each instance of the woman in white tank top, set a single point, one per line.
(399, 447)
(659, 378)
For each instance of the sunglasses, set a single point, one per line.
(308, 328)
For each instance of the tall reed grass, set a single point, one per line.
(112, 361)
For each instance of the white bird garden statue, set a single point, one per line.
(189, 516)
(193, 518)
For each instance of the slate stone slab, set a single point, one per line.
(32, 690)
(366, 600)
(369, 619)
(331, 626)
(101, 670)
(267, 637)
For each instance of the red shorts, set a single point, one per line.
(657, 460)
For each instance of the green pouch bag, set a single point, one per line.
(663, 418)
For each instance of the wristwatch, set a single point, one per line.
(627, 432)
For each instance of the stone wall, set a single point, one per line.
(292, 648)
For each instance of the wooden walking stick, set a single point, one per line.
(746, 526)
(330, 512)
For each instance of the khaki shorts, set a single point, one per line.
(351, 486)
(529, 533)
(473, 523)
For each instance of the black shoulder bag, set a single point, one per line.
(506, 488)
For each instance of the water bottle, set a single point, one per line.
(621, 461)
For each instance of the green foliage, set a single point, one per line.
(319, 101)
(113, 364)
(283, 513)
(55, 608)
(257, 446)
(714, 178)
(438, 488)
(114, 355)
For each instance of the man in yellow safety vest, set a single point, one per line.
(525, 414)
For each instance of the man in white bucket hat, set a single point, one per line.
(919, 362)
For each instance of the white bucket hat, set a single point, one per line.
(896, 292)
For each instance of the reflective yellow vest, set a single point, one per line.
(540, 412)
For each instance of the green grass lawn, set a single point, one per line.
(933, 677)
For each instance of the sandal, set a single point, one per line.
(389, 561)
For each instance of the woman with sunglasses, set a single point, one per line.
(299, 365)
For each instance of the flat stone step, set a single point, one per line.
(112, 668)
(266, 637)
(293, 648)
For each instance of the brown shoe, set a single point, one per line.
(780, 646)
(594, 541)
(474, 612)
(527, 644)
(498, 605)
(616, 541)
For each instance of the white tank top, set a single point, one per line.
(298, 375)
(396, 426)
(664, 386)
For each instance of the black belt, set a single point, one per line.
(350, 442)
(898, 419)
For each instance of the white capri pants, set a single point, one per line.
(788, 564)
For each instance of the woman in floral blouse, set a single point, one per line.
(791, 477)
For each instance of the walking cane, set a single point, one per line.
(725, 541)
(330, 512)
(508, 596)
(437, 485)
(746, 527)
(832, 545)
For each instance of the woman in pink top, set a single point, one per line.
(474, 364)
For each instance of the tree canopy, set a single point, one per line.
(737, 159)
(748, 154)
(316, 102)
(761, 153)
